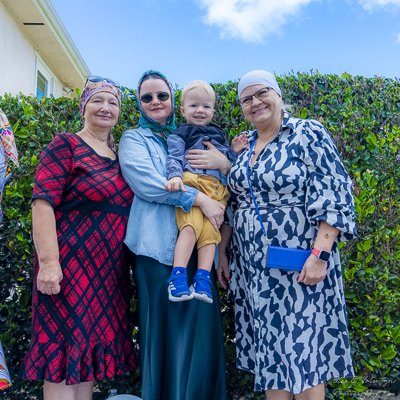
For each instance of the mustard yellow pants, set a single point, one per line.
(213, 188)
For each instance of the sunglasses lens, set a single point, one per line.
(114, 83)
(146, 98)
(95, 78)
(163, 96)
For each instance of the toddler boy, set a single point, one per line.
(197, 107)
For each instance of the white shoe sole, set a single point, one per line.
(185, 297)
(199, 296)
(203, 297)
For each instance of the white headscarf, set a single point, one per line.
(259, 77)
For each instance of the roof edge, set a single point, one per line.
(61, 34)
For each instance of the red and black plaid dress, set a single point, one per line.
(82, 334)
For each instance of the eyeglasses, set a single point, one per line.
(261, 95)
(147, 98)
(96, 78)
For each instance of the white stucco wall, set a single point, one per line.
(58, 89)
(17, 59)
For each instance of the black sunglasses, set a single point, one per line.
(147, 98)
(96, 78)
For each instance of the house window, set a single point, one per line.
(41, 85)
(44, 79)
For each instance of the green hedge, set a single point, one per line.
(363, 116)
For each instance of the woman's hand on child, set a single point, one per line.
(240, 142)
(212, 209)
(174, 184)
(208, 159)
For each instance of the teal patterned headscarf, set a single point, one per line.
(145, 121)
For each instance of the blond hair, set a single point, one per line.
(198, 84)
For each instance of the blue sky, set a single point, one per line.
(221, 40)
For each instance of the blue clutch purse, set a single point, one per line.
(287, 259)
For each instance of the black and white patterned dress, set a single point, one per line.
(290, 335)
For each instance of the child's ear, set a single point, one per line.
(182, 111)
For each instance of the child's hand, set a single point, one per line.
(240, 142)
(174, 184)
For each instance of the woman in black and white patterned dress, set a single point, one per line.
(291, 326)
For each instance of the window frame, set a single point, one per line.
(42, 67)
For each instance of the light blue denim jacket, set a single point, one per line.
(152, 229)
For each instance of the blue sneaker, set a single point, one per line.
(202, 286)
(178, 289)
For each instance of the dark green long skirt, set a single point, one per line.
(181, 344)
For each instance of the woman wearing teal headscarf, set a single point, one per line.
(181, 344)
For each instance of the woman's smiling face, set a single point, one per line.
(263, 112)
(157, 110)
(102, 111)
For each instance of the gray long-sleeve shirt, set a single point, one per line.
(188, 137)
